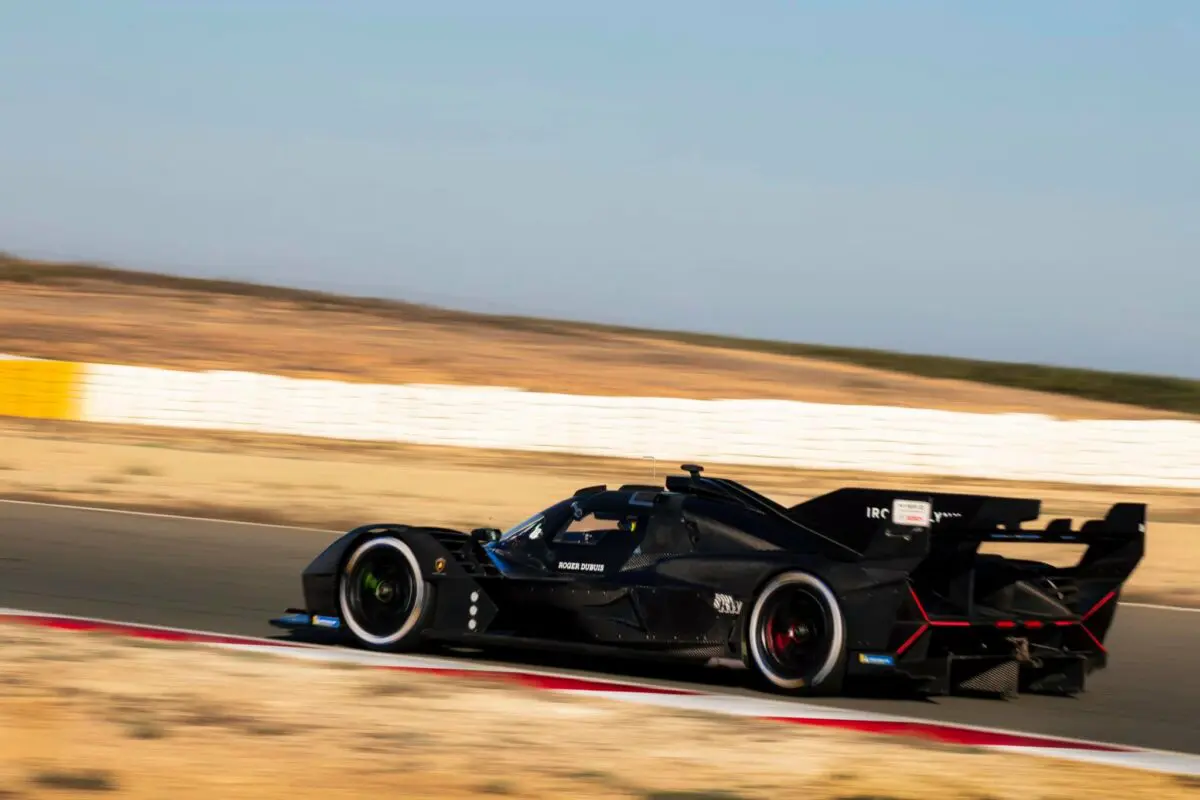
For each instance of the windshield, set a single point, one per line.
(551, 518)
(521, 527)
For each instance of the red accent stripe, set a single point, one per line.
(1006, 624)
(928, 621)
(1092, 636)
(1091, 611)
(912, 639)
(920, 607)
(1096, 607)
(949, 734)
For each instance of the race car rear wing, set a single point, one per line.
(887, 524)
(936, 539)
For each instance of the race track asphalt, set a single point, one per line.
(230, 578)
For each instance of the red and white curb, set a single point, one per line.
(657, 696)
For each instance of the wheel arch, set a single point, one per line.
(332, 561)
(427, 560)
(835, 671)
(768, 575)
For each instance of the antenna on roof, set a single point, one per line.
(653, 467)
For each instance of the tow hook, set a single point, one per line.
(1021, 651)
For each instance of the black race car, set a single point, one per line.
(855, 584)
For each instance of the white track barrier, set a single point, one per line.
(1153, 453)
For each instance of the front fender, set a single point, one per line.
(457, 591)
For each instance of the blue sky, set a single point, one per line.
(1015, 180)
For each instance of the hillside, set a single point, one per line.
(85, 312)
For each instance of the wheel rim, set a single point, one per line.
(381, 592)
(796, 632)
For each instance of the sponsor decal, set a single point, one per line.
(915, 513)
(883, 512)
(326, 622)
(724, 604)
(581, 566)
(876, 659)
(439, 565)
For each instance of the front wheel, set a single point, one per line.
(796, 636)
(385, 602)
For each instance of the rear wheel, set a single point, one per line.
(385, 603)
(796, 635)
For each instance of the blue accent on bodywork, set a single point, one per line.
(877, 659)
(499, 563)
(301, 619)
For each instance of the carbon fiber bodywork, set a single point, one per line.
(672, 572)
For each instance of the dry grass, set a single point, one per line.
(339, 484)
(93, 320)
(86, 714)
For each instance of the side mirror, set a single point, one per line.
(485, 535)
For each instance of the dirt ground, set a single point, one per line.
(336, 485)
(102, 322)
(89, 714)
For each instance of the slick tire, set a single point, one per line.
(796, 636)
(384, 601)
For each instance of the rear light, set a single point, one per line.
(1004, 624)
